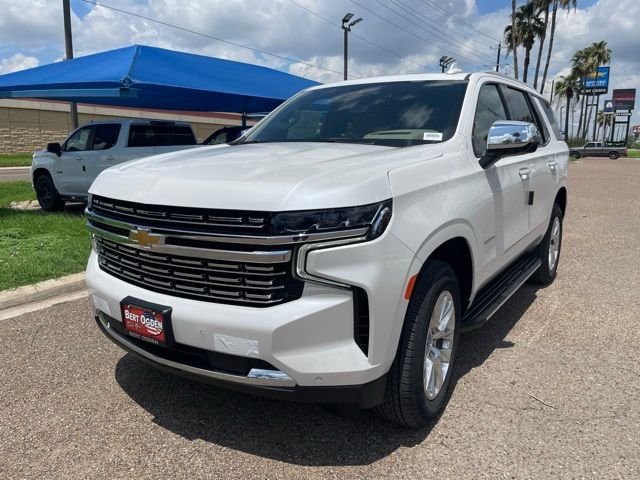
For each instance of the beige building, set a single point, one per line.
(28, 125)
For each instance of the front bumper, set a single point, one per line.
(273, 386)
(311, 339)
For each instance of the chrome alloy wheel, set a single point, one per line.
(437, 353)
(554, 244)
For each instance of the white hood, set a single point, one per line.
(267, 177)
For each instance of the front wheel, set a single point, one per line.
(48, 197)
(549, 249)
(574, 155)
(613, 155)
(421, 372)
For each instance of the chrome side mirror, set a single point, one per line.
(508, 137)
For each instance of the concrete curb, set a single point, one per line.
(41, 291)
(5, 169)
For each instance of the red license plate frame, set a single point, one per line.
(148, 322)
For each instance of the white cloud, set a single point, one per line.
(35, 29)
(17, 62)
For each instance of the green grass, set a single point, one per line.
(15, 191)
(35, 245)
(15, 159)
(634, 153)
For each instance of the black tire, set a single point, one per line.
(614, 155)
(406, 401)
(546, 274)
(48, 197)
(575, 155)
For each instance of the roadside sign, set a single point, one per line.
(636, 129)
(624, 98)
(608, 106)
(623, 114)
(596, 83)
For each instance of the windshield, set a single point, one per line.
(395, 114)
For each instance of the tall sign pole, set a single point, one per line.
(68, 43)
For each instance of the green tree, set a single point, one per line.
(543, 6)
(599, 54)
(565, 5)
(568, 87)
(528, 26)
(512, 46)
(604, 122)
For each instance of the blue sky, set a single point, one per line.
(488, 6)
(388, 41)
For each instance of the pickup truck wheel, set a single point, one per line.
(574, 155)
(48, 197)
(549, 249)
(613, 155)
(421, 372)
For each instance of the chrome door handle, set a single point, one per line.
(525, 172)
(553, 164)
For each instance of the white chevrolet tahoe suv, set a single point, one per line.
(67, 171)
(335, 252)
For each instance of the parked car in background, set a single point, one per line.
(225, 135)
(66, 171)
(335, 252)
(599, 149)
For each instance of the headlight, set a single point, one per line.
(374, 217)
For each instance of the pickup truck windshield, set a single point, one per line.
(395, 114)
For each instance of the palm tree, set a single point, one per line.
(512, 46)
(580, 66)
(599, 54)
(604, 121)
(565, 5)
(543, 6)
(528, 27)
(569, 88)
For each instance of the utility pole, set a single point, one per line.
(68, 43)
(346, 26)
(498, 59)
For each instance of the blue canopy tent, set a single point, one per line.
(150, 77)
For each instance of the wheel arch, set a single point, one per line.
(453, 244)
(561, 199)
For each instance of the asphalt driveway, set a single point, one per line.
(549, 388)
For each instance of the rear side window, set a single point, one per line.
(105, 136)
(521, 110)
(548, 112)
(160, 136)
(489, 109)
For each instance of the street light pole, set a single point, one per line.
(68, 43)
(346, 26)
(445, 62)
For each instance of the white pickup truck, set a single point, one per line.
(335, 252)
(67, 171)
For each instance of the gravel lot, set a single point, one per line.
(549, 388)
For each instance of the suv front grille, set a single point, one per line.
(193, 219)
(253, 284)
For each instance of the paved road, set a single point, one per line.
(9, 174)
(549, 388)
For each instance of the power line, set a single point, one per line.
(335, 24)
(458, 20)
(453, 43)
(427, 20)
(407, 31)
(264, 52)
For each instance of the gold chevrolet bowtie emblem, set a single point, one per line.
(145, 238)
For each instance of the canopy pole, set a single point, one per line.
(244, 119)
(68, 43)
